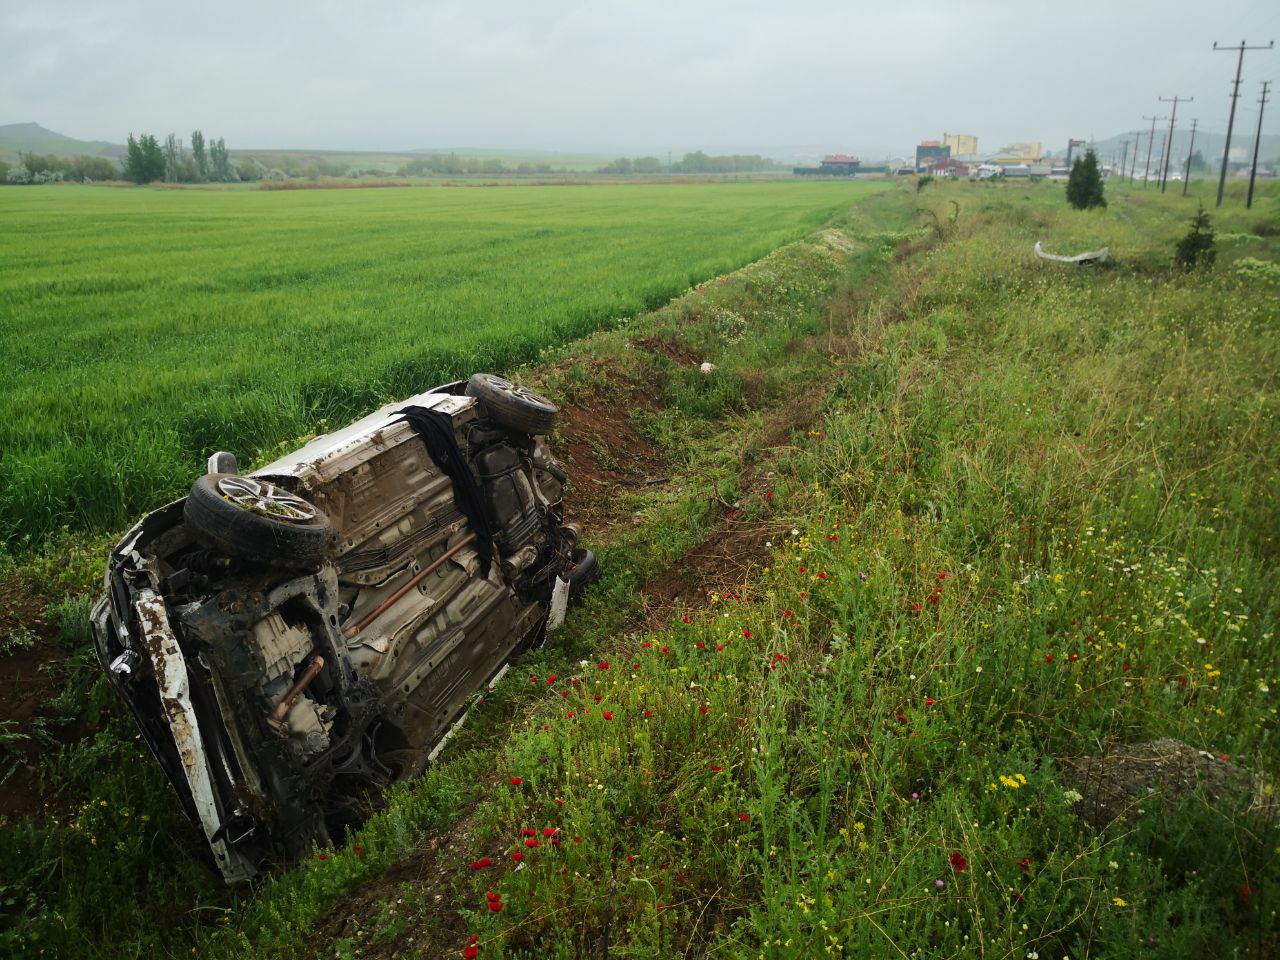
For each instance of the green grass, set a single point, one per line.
(146, 328)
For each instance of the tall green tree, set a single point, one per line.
(144, 159)
(1084, 186)
(219, 163)
(199, 154)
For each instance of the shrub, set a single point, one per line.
(1196, 249)
(1084, 186)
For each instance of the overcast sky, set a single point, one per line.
(607, 76)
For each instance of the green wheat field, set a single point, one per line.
(144, 329)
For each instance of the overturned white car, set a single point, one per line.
(294, 640)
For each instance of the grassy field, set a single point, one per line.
(146, 328)
(945, 518)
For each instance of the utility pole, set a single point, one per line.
(1137, 144)
(1124, 156)
(1151, 142)
(1186, 177)
(1164, 156)
(1257, 138)
(1164, 173)
(1231, 118)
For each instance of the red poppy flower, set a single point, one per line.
(822, 575)
(569, 714)
(534, 678)
(703, 708)
(744, 817)
(716, 768)
(1017, 897)
(648, 713)
(1025, 864)
(788, 614)
(470, 952)
(516, 781)
(551, 678)
(902, 718)
(528, 832)
(635, 666)
(577, 839)
(746, 633)
(1048, 658)
(942, 574)
(916, 608)
(481, 863)
(719, 646)
(517, 856)
(1073, 657)
(768, 494)
(322, 856)
(549, 831)
(532, 842)
(495, 906)
(359, 850)
(1125, 668)
(929, 701)
(666, 649)
(701, 646)
(564, 694)
(686, 620)
(958, 862)
(607, 715)
(602, 665)
(493, 897)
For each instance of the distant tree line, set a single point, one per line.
(147, 160)
(696, 162)
(453, 165)
(47, 168)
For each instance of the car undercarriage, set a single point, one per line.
(294, 640)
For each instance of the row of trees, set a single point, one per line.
(47, 168)
(147, 160)
(696, 162)
(453, 165)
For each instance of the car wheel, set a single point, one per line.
(516, 408)
(253, 518)
(585, 572)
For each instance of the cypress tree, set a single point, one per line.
(1084, 186)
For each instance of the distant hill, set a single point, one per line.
(1208, 144)
(16, 138)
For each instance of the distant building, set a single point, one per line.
(835, 165)
(961, 144)
(1031, 152)
(930, 152)
(949, 168)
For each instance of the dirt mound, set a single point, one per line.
(1128, 779)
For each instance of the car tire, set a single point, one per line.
(512, 407)
(585, 572)
(231, 513)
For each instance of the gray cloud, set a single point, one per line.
(620, 77)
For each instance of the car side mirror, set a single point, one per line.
(223, 462)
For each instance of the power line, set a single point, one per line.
(1164, 173)
(1257, 139)
(1231, 119)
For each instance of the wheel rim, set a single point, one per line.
(526, 394)
(266, 499)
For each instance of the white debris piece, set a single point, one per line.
(707, 367)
